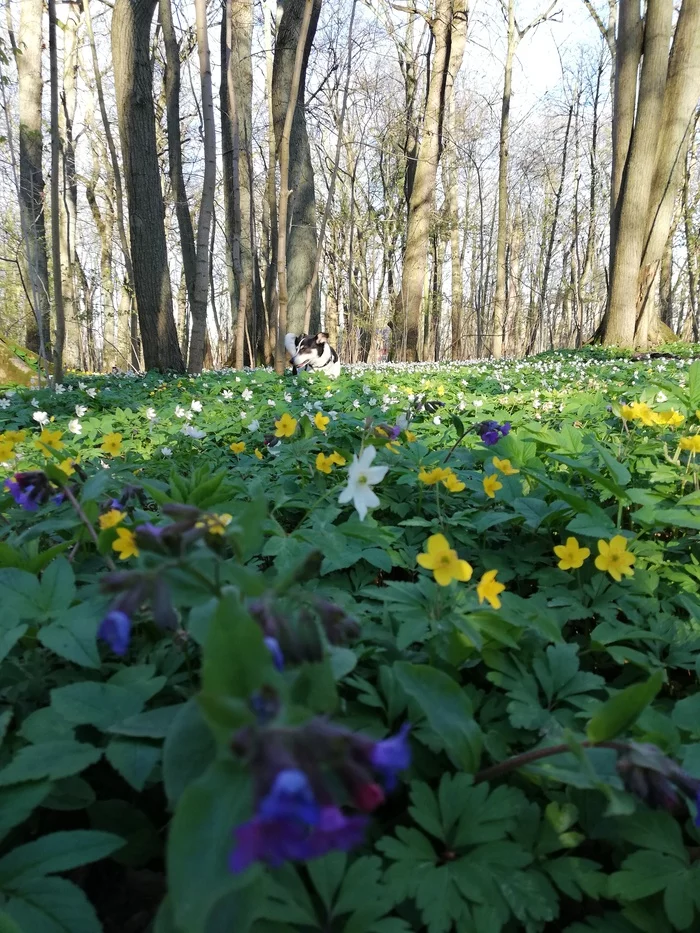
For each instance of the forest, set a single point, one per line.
(447, 181)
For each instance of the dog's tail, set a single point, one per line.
(290, 344)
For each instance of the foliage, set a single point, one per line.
(250, 602)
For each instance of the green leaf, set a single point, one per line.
(200, 842)
(236, 662)
(19, 593)
(448, 710)
(9, 638)
(622, 710)
(686, 714)
(51, 905)
(153, 724)
(188, 751)
(133, 759)
(56, 852)
(142, 840)
(49, 760)
(19, 802)
(57, 586)
(95, 704)
(8, 925)
(73, 636)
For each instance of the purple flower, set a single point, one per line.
(491, 432)
(273, 646)
(115, 629)
(335, 830)
(505, 428)
(290, 798)
(23, 497)
(490, 438)
(391, 756)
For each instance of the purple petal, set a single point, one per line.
(115, 629)
(290, 798)
(273, 646)
(392, 755)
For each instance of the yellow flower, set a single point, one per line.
(286, 426)
(324, 464)
(453, 483)
(571, 555)
(320, 420)
(338, 458)
(112, 444)
(488, 588)
(7, 450)
(410, 436)
(125, 544)
(393, 446)
(627, 412)
(614, 558)
(642, 412)
(49, 439)
(111, 518)
(68, 465)
(380, 431)
(505, 467)
(443, 561)
(237, 447)
(436, 475)
(672, 418)
(692, 443)
(440, 390)
(215, 524)
(697, 415)
(14, 437)
(491, 485)
(258, 454)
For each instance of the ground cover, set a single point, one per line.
(222, 596)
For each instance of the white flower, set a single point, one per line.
(244, 415)
(41, 418)
(92, 392)
(254, 425)
(361, 477)
(661, 397)
(373, 402)
(180, 412)
(151, 414)
(287, 396)
(60, 389)
(328, 395)
(271, 403)
(437, 419)
(82, 385)
(75, 427)
(246, 395)
(191, 431)
(195, 405)
(5, 403)
(356, 403)
(478, 402)
(80, 411)
(333, 415)
(166, 451)
(35, 402)
(227, 393)
(238, 378)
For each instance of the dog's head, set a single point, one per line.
(307, 349)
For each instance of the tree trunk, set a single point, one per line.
(449, 28)
(28, 60)
(301, 244)
(55, 203)
(304, 37)
(133, 78)
(452, 199)
(206, 203)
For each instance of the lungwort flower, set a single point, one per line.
(115, 629)
(571, 555)
(361, 477)
(614, 558)
(444, 562)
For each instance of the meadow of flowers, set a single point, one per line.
(414, 650)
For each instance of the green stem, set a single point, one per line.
(527, 758)
(88, 524)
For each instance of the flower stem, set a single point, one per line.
(88, 524)
(527, 758)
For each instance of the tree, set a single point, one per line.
(55, 203)
(28, 59)
(301, 243)
(449, 30)
(133, 78)
(650, 142)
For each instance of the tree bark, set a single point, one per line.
(133, 78)
(55, 203)
(301, 242)
(28, 60)
(449, 29)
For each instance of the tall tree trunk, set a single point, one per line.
(31, 176)
(55, 203)
(452, 199)
(449, 29)
(131, 22)
(692, 244)
(271, 302)
(69, 201)
(171, 88)
(301, 244)
(206, 203)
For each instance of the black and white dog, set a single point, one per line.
(312, 353)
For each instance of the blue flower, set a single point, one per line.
(491, 432)
(273, 646)
(290, 797)
(115, 629)
(391, 755)
(24, 497)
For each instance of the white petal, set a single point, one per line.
(346, 495)
(376, 474)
